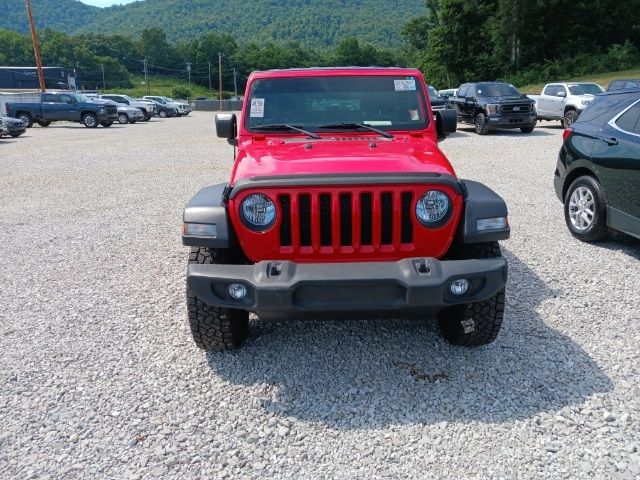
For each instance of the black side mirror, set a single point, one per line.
(446, 123)
(227, 126)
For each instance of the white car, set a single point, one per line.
(147, 108)
(565, 101)
(182, 108)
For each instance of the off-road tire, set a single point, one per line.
(527, 129)
(569, 118)
(214, 328)
(482, 319)
(598, 229)
(90, 120)
(162, 114)
(123, 118)
(26, 119)
(480, 123)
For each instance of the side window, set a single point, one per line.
(66, 99)
(561, 88)
(462, 90)
(51, 98)
(629, 119)
(615, 85)
(550, 90)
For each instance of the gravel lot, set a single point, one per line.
(100, 379)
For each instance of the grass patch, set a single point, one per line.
(161, 86)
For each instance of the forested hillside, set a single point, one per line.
(312, 23)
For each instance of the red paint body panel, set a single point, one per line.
(290, 154)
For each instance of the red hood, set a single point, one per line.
(338, 154)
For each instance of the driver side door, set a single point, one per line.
(71, 110)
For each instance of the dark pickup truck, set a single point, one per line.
(61, 107)
(493, 105)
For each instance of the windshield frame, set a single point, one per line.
(418, 127)
(485, 85)
(571, 86)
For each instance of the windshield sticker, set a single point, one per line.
(257, 108)
(407, 85)
(378, 123)
(414, 115)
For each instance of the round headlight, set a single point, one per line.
(258, 211)
(433, 208)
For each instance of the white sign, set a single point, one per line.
(257, 108)
(406, 85)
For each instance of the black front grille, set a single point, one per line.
(516, 108)
(346, 219)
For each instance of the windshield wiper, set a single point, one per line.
(284, 126)
(356, 126)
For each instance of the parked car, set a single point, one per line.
(448, 93)
(148, 109)
(54, 107)
(493, 105)
(565, 101)
(341, 203)
(126, 114)
(181, 108)
(12, 127)
(623, 84)
(163, 109)
(438, 102)
(598, 171)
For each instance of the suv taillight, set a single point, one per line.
(567, 133)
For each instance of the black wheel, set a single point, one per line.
(481, 124)
(569, 118)
(132, 121)
(527, 129)
(162, 113)
(15, 135)
(147, 117)
(90, 120)
(214, 328)
(44, 124)
(26, 119)
(585, 210)
(106, 124)
(474, 324)
(122, 118)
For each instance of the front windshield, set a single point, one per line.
(433, 93)
(585, 89)
(497, 90)
(384, 102)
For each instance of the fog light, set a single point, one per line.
(237, 291)
(460, 286)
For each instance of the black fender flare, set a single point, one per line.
(481, 202)
(208, 207)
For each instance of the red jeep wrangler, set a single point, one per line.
(340, 203)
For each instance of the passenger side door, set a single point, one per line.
(617, 159)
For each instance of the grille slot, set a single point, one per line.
(366, 219)
(304, 210)
(406, 229)
(285, 225)
(386, 224)
(516, 108)
(345, 219)
(325, 220)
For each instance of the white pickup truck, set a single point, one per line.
(564, 101)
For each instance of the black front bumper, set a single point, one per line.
(512, 121)
(280, 289)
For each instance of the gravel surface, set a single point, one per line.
(100, 379)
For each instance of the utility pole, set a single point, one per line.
(235, 83)
(104, 85)
(146, 75)
(36, 45)
(189, 72)
(220, 78)
(209, 75)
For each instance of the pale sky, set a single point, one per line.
(106, 3)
